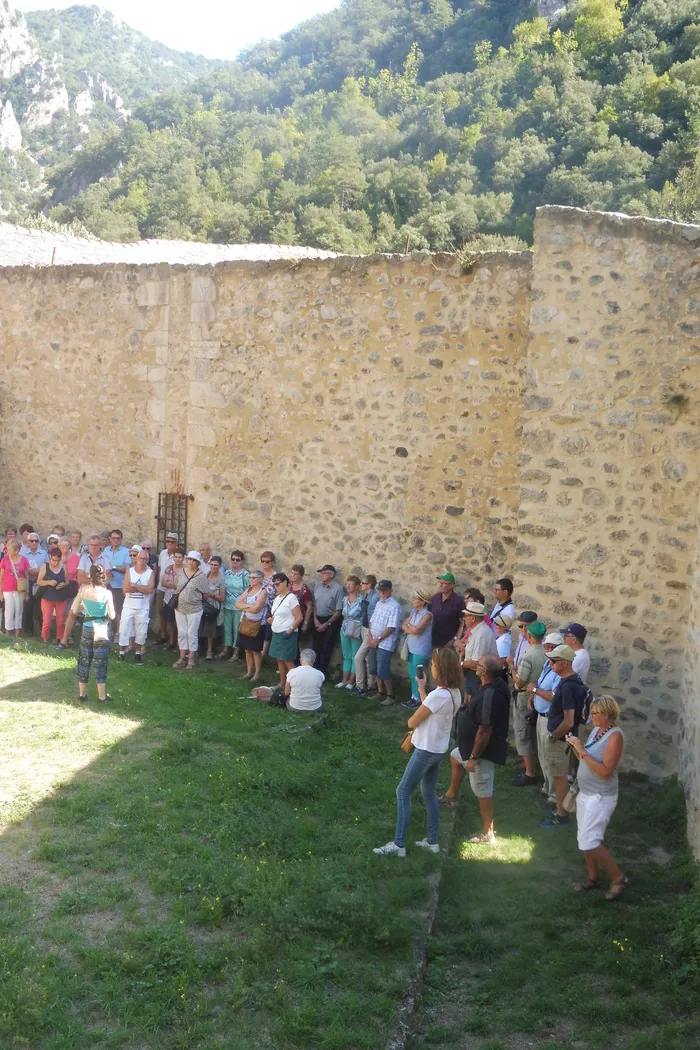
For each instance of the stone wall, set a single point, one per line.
(536, 416)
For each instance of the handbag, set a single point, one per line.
(22, 582)
(569, 802)
(210, 609)
(403, 650)
(249, 628)
(173, 604)
(407, 742)
(353, 629)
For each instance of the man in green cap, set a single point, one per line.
(528, 671)
(447, 608)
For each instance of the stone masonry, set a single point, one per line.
(536, 416)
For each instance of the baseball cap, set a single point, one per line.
(384, 585)
(563, 652)
(447, 577)
(172, 536)
(136, 549)
(554, 639)
(526, 617)
(327, 568)
(577, 629)
(537, 629)
(474, 609)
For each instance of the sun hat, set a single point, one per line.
(424, 594)
(474, 609)
(503, 620)
(562, 652)
(196, 555)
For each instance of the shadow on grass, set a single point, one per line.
(195, 869)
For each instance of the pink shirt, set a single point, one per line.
(71, 566)
(9, 582)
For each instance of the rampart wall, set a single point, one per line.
(536, 416)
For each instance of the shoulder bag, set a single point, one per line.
(249, 628)
(22, 582)
(173, 604)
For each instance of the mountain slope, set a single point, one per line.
(65, 75)
(393, 121)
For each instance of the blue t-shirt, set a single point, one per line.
(548, 680)
(111, 559)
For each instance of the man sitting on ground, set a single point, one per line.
(482, 742)
(303, 686)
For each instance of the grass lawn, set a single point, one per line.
(519, 961)
(185, 868)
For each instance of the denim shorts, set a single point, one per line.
(384, 664)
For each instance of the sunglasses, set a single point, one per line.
(234, 559)
(266, 561)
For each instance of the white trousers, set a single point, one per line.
(14, 609)
(593, 813)
(134, 622)
(361, 659)
(188, 631)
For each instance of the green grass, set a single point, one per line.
(518, 960)
(187, 868)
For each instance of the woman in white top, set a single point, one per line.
(285, 620)
(431, 725)
(139, 582)
(502, 624)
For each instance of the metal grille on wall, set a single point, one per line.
(172, 513)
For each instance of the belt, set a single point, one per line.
(542, 714)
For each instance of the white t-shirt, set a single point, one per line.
(305, 688)
(283, 612)
(137, 599)
(165, 560)
(434, 734)
(504, 643)
(582, 664)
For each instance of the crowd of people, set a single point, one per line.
(481, 673)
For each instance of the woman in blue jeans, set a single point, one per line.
(431, 725)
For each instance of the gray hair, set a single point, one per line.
(492, 664)
(33, 536)
(257, 573)
(307, 656)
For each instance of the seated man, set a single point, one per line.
(303, 686)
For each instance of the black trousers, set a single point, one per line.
(324, 642)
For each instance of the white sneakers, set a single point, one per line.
(432, 846)
(391, 847)
(400, 851)
(340, 684)
(349, 685)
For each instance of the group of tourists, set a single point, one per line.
(480, 671)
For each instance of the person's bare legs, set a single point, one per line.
(234, 657)
(282, 671)
(258, 662)
(601, 857)
(486, 810)
(101, 691)
(530, 765)
(458, 774)
(249, 665)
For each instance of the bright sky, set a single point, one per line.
(217, 29)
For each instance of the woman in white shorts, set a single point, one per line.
(597, 794)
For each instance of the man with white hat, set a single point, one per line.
(139, 581)
(564, 717)
(542, 694)
(481, 642)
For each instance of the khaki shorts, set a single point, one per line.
(480, 782)
(524, 733)
(556, 758)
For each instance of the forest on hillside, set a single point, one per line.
(420, 122)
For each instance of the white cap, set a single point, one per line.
(136, 549)
(554, 639)
(172, 536)
(194, 554)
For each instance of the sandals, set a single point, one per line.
(617, 889)
(447, 800)
(179, 663)
(191, 664)
(589, 884)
